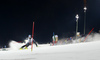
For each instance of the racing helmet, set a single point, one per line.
(29, 36)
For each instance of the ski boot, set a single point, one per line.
(21, 49)
(37, 46)
(26, 47)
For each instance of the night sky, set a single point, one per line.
(17, 16)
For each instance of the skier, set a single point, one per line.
(29, 43)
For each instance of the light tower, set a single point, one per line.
(85, 8)
(77, 17)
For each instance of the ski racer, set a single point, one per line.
(29, 43)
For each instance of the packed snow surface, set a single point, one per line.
(76, 51)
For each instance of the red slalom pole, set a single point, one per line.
(32, 37)
(88, 34)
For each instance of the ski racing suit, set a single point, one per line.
(29, 43)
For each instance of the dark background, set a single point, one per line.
(17, 16)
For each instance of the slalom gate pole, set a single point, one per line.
(88, 34)
(32, 37)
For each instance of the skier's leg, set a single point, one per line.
(28, 44)
(35, 43)
(23, 46)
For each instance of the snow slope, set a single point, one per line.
(77, 51)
